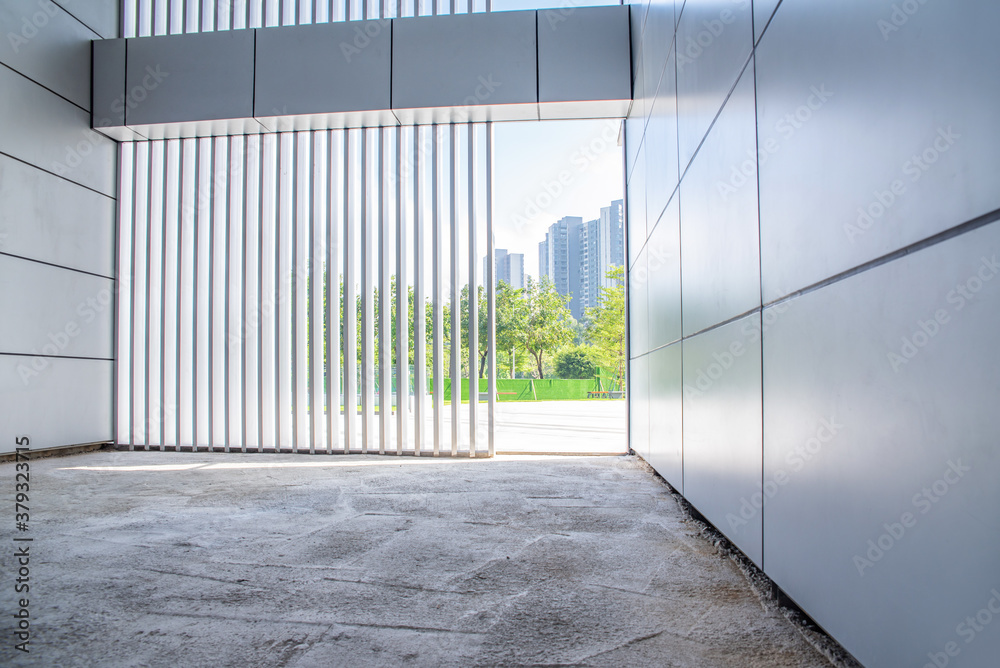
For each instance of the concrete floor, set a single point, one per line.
(180, 559)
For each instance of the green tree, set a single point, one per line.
(576, 362)
(482, 326)
(545, 321)
(606, 323)
(509, 323)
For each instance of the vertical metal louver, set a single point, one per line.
(302, 291)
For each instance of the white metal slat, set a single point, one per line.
(336, 184)
(123, 302)
(353, 205)
(402, 310)
(186, 294)
(368, 227)
(202, 313)
(384, 265)
(139, 274)
(154, 298)
(269, 297)
(283, 280)
(316, 221)
(218, 362)
(437, 299)
(302, 437)
(419, 310)
(473, 292)
(455, 340)
(491, 292)
(171, 295)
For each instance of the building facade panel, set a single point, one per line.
(905, 154)
(49, 46)
(55, 402)
(723, 457)
(848, 441)
(663, 263)
(719, 228)
(53, 220)
(58, 183)
(714, 40)
(881, 452)
(666, 405)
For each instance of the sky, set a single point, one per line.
(550, 169)
(530, 155)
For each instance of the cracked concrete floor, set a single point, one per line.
(180, 559)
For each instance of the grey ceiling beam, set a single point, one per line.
(567, 63)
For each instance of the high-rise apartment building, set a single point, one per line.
(555, 253)
(508, 267)
(602, 246)
(577, 255)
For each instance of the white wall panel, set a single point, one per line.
(714, 40)
(926, 161)
(661, 145)
(637, 213)
(876, 386)
(723, 447)
(54, 402)
(639, 406)
(57, 189)
(45, 130)
(638, 307)
(101, 17)
(719, 227)
(49, 46)
(49, 219)
(657, 43)
(763, 10)
(56, 311)
(887, 487)
(663, 282)
(666, 404)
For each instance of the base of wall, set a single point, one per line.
(770, 594)
(60, 451)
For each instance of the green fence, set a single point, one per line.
(527, 389)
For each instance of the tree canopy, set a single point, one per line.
(606, 323)
(536, 334)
